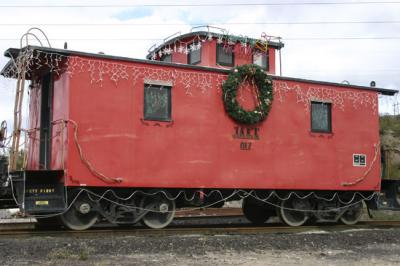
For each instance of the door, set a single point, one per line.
(45, 122)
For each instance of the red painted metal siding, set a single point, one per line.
(179, 58)
(272, 60)
(209, 54)
(198, 148)
(34, 124)
(60, 112)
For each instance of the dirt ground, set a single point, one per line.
(319, 247)
(350, 247)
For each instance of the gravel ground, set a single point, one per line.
(351, 247)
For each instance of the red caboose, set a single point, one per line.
(205, 121)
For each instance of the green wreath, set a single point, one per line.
(264, 94)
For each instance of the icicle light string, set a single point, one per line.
(337, 97)
(98, 70)
(248, 46)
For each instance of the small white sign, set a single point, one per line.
(360, 160)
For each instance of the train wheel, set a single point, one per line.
(160, 209)
(353, 214)
(256, 212)
(288, 212)
(396, 193)
(80, 216)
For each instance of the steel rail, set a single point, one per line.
(221, 229)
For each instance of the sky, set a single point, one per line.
(326, 40)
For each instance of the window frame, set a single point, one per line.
(266, 54)
(169, 109)
(329, 104)
(221, 46)
(190, 52)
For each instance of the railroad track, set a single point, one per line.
(220, 229)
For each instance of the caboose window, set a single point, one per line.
(224, 55)
(261, 59)
(166, 58)
(194, 57)
(321, 117)
(157, 102)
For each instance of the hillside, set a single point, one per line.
(390, 142)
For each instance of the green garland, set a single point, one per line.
(265, 94)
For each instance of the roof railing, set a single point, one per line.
(178, 33)
(208, 28)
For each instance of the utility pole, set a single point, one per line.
(395, 108)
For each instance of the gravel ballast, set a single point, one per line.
(349, 247)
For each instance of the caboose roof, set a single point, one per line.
(14, 52)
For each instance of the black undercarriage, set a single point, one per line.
(42, 194)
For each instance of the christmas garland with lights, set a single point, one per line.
(264, 94)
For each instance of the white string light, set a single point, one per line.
(340, 98)
(356, 198)
(98, 70)
(247, 45)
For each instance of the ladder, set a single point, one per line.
(19, 95)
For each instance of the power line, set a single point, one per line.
(205, 5)
(199, 24)
(93, 39)
(342, 38)
(158, 39)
